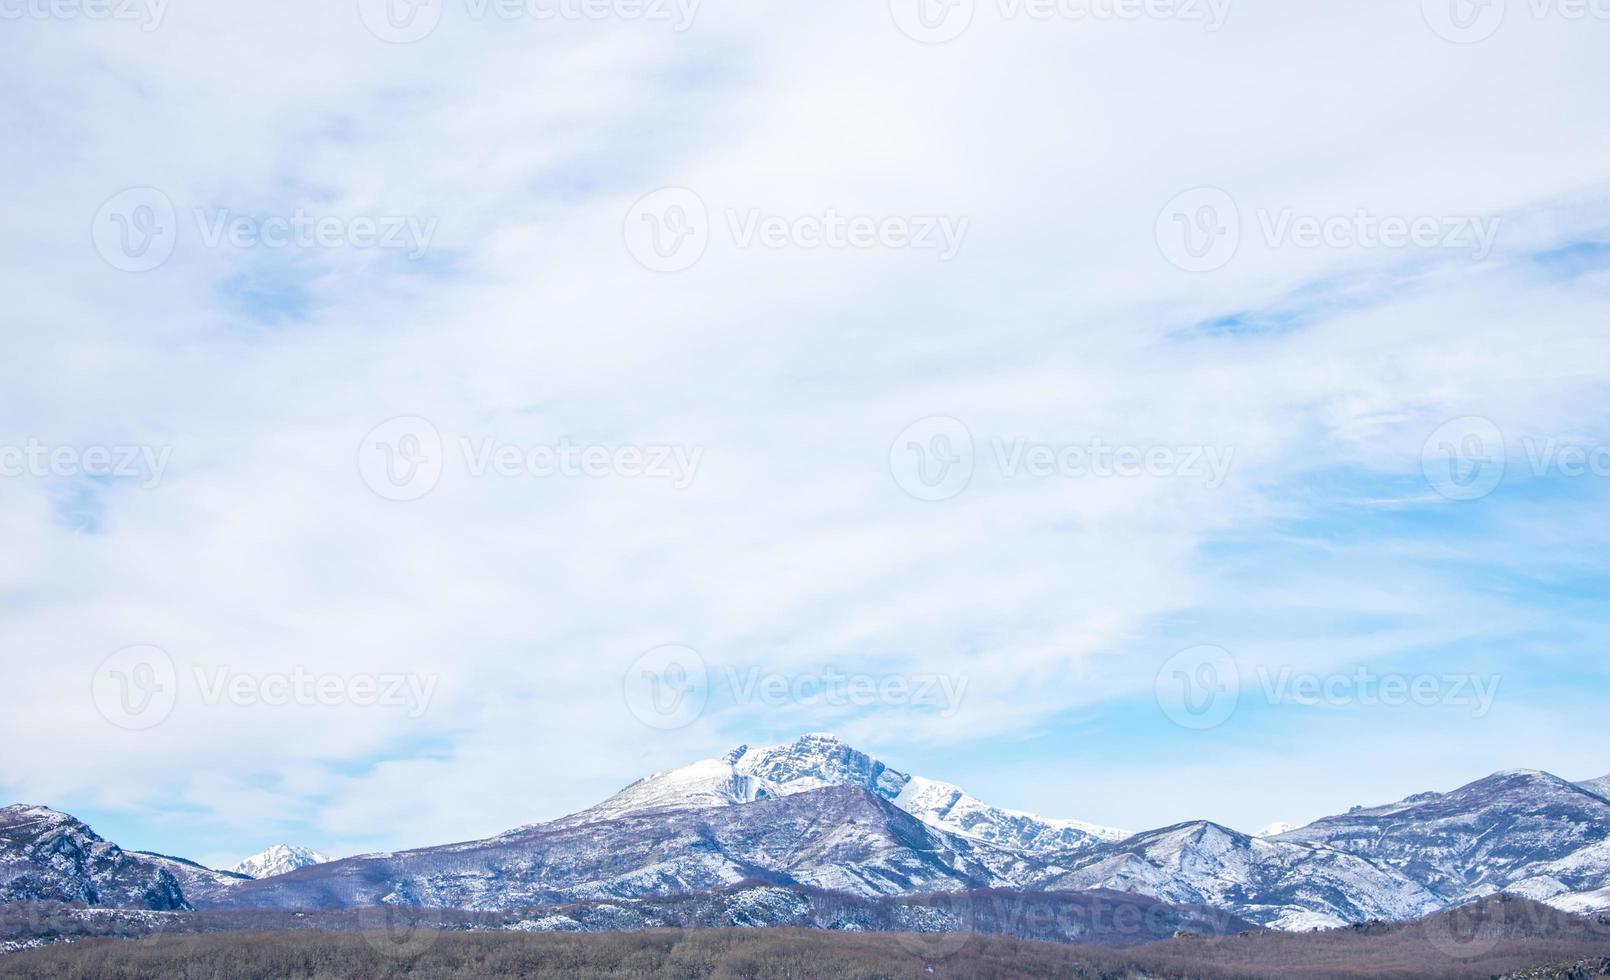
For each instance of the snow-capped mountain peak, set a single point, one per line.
(277, 860)
(820, 760)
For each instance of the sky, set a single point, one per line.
(423, 419)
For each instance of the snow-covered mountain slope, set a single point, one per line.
(199, 883)
(1596, 902)
(820, 760)
(951, 808)
(1282, 885)
(838, 838)
(1274, 830)
(1492, 834)
(278, 860)
(50, 856)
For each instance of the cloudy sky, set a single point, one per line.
(424, 419)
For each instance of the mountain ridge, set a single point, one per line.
(818, 813)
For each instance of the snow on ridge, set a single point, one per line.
(819, 760)
(278, 860)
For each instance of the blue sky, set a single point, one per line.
(523, 169)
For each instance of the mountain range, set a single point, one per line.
(819, 816)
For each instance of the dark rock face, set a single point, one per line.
(50, 856)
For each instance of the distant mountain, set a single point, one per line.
(51, 856)
(1281, 885)
(1522, 831)
(1598, 787)
(278, 860)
